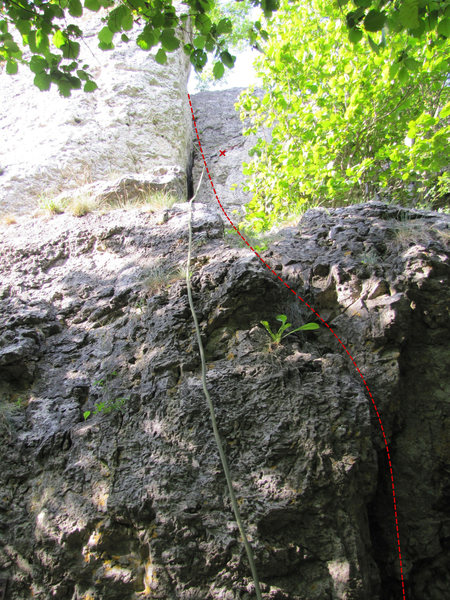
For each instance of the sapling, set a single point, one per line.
(278, 336)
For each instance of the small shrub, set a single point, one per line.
(159, 275)
(54, 206)
(81, 206)
(106, 407)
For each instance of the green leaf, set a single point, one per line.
(124, 38)
(12, 67)
(403, 75)
(373, 45)
(374, 20)
(210, 44)
(41, 40)
(218, 70)
(199, 41)
(168, 40)
(23, 26)
(443, 27)
(90, 86)
(92, 5)
(309, 326)
(38, 64)
(104, 46)
(199, 59)
(127, 22)
(43, 81)
(83, 75)
(408, 14)
(86, 414)
(203, 23)
(59, 39)
(227, 59)
(75, 9)
(354, 35)
(105, 35)
(147, 38)
(267, 326)
(226, 26)
(71, 50)
(188, 49)
(411, 64)
(445, 111)
(115, 18)
(161, 57)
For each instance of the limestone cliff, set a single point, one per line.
(131, 502)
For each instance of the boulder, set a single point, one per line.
(171, 180)
(111, 482)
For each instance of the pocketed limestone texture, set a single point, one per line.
(131, 503)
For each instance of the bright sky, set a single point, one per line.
(242, 74)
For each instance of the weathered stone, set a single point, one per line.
(137, 121)
(132, 502)
(220, 129)
(171, 180)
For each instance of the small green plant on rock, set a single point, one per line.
(106, 407)
(278, 336)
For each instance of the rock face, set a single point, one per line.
(220, 130)
(131, 502)
(135, 123)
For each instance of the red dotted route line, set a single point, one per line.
(339, 340)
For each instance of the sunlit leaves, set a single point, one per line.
(38, 64)
(71, 49)
(147, 38)
(339, 118)
(59, 39)
(105, 35)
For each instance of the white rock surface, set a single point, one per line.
(136, 122)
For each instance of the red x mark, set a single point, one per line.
(222, 152)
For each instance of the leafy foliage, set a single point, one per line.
(43, 30)
(216, 25)
(348, 124)
(278, 336)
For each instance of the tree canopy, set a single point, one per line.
(347, 124)
(43, 34)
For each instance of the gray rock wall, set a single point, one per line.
(131, 503)
(137, 121)
(220, 129)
